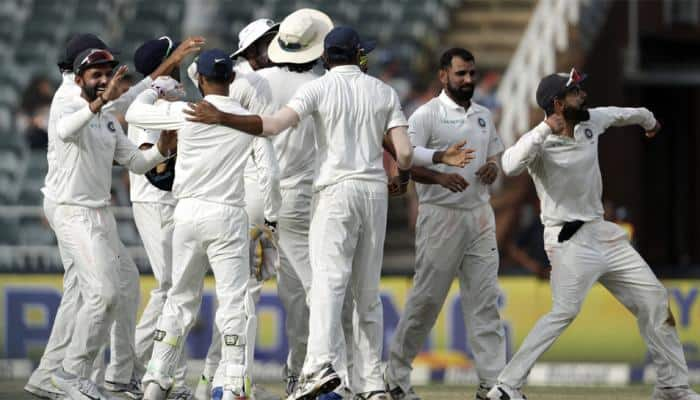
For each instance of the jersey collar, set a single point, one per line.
(449, 103)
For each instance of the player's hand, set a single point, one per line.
(650, 134)
(396, 188)
(168, 88)
(488, 173)
(556, 123)
(454, 182)
(190, 45)
(167, 143)
(112, 91)
(203, 112)
(456, 155)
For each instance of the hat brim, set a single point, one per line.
(312, 51)
(368, 45)
(238, 52)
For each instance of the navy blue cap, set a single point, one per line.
(77, 44)
(556, 85)
(216, 64)
(347, 40)
(152, 53)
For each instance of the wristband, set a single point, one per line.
(423, 157)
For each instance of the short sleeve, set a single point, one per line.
(306, 100)
(396, 115)
(419, 128)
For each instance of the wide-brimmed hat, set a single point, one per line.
(300, 37)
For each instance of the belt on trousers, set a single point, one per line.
(568, 230)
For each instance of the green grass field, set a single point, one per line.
(13, 390)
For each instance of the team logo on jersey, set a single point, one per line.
(588, 133)
(482, 123)
(110, 126)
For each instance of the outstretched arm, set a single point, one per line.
(204, 112)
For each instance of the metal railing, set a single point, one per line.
(546, 33)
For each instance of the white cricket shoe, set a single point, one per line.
(505, 392)
(43, 392)
(320, 382)
(376, 395)
(132, 389)
(676, 393)
(181, 393)
(75, 387)
(482, 393)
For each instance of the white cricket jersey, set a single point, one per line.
(565, 170)
(82, 146)
(351, 111)
(441, 123)
(210, 158)
(264, 92)
(140, 189)
(242, 67)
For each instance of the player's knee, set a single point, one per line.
(565, 313)
(367, 306)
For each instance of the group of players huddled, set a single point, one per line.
(278, 172)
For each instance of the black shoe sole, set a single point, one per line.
(326, 387)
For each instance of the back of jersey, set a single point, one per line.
(352, 111)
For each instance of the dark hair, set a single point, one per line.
(447, 56)
(300, 68)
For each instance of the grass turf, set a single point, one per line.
(13, 390)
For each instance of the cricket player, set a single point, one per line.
(455, 230)
(352, 112)
(261, 182)
(88, 138)
(210, 229)
(561, 156)
(39, 383)
(153, 209)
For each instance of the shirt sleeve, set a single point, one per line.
(396, 115)
(122, 103)
(306, 100)
(419, 128)
(495, 143)
(519, 156)
(623, 116)
(137, 161)
(162, 116)
(268, 177)
(72, 117)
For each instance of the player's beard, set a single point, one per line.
(91, 92)
(461, 94)
(576, 114)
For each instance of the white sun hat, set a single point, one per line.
(300, 37)
(252, 32)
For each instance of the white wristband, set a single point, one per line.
(422, 157)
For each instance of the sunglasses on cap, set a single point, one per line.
(96, 56)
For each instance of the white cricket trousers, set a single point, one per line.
(155, 224)
(600, 252)
(452, 243)
(293, 276)
(71, 302)
(346, 243)
(108, 282)
(205, 234)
